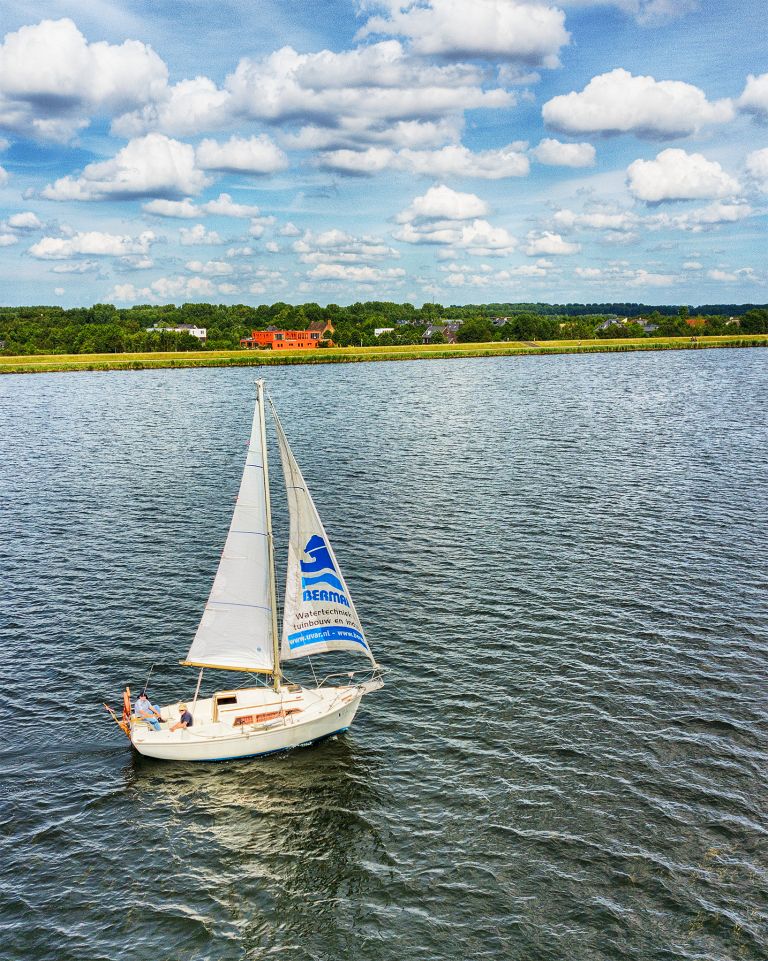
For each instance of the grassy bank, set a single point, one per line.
(340, 355)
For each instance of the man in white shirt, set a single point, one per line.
(147, 711)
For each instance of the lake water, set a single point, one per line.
(561, 561)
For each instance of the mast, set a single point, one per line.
(270, 538)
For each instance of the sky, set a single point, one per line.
(163, 151)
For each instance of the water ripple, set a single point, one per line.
(561, 561)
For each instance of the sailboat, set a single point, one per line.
(239, 631)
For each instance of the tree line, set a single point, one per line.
(104, 328)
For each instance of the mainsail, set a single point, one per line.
(236, 628)
(318, 612)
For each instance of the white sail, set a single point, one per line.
(318, 614)
(236, 628)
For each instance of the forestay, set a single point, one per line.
(236, 627)
(318, 614)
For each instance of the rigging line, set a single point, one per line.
(238, 604)
(312, 668)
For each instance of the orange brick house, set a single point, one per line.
(289, 339)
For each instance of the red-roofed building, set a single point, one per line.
(324, 327)
(289, 339)
(282, 339)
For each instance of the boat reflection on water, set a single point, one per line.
(265, 852)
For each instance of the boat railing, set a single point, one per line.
(351, 675)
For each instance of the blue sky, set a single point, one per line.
(496, 150)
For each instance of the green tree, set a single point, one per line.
(754, 322)
(477, 330)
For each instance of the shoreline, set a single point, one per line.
(61, 363)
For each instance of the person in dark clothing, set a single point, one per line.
(184, 721)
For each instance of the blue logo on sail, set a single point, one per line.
(320, 570)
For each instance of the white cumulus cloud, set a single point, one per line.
(442, 203)
(198, 236)
(453, 219)
(613, 220)
(482, 239)
(182, 110)
(450, 161)
(154, 166)
(52, 79)
(337, 246)
(588, 273)
(754, 99)
(646, 278)
(554, 153)
(77, 267)
(757, 168)
(526, 33)
(618, 102)
(547, 242)
(24, 220)
(183, 209)
(91, 243)
(702, 218)
(254, 155)
(210, 268)
(224, 206)
(358, 162)
(366, 90)
(459, 161)
(356, 132)
(677, 175)
(358, 275)
(221, 206)
(164, 290)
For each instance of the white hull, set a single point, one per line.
(225, 731)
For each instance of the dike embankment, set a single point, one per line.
(52, 363)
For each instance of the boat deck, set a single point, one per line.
(245, 710)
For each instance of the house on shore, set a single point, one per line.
(323, 327)
(200, 332)
(449, 331)
(275, 339)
